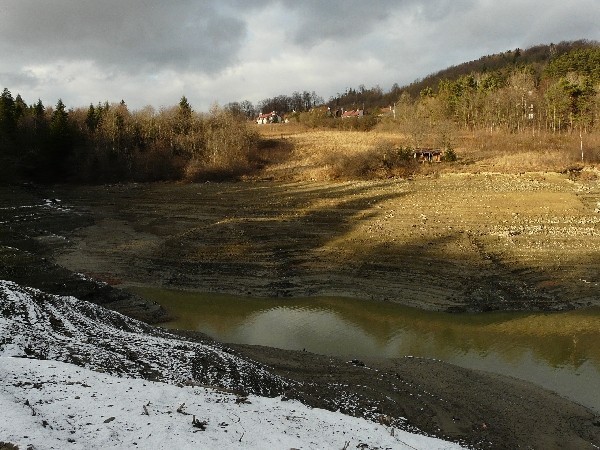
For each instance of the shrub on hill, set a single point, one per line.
(383, 160)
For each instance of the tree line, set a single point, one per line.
(109, 142)
(558, 92)
(282, 104)
(564, 97)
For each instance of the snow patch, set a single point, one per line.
(76, 375)
(48, 404)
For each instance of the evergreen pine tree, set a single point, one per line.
(60, 141)
(8, 121)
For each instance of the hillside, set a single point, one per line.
(538, 57)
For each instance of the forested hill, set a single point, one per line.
(544, 61)
(537, 57)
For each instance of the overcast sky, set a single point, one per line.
(151, 52)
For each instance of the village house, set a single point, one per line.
(271, 117)
(352, 113)
(387, 111)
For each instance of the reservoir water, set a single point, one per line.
(558, 351)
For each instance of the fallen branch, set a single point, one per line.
(198, 424)
(243, 429)
(33, 413)
(242, 399)
(181, 410)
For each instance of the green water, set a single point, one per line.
(559, 351)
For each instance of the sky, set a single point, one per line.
(152, 52)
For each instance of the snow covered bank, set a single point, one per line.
(75, 375)
(43, 326)
(49, 404)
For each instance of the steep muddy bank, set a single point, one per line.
(33, 226)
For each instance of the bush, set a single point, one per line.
(384, 160)
(228, 140)
(228, 145)
(449, 155)
(8, 446)
(318, 118)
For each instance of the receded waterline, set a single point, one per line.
(558, 351)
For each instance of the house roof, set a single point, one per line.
(351, 113)
(432, 151)
(267, 115)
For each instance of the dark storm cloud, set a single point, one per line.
(335, 20)
(134, 35)
(352, 19)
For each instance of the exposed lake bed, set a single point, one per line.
(457, 243)
(430, 244)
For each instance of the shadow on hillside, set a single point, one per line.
(269, 151)
(299, 239)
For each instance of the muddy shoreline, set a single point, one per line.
(460, 243)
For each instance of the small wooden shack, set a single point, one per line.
(428, 155)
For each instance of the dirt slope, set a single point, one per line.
(458, 242)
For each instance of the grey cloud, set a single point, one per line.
(349, 19)
(442, 10)
(352, 19)
(21, 78)
(565, 20)
(134, 35)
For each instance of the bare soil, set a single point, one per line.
(453, 242)
(456, 242)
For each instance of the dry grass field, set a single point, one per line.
(294, 151)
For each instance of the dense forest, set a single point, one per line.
(564, 96)
(536, 57)
(108, 142)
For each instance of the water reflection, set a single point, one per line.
(560, 351)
